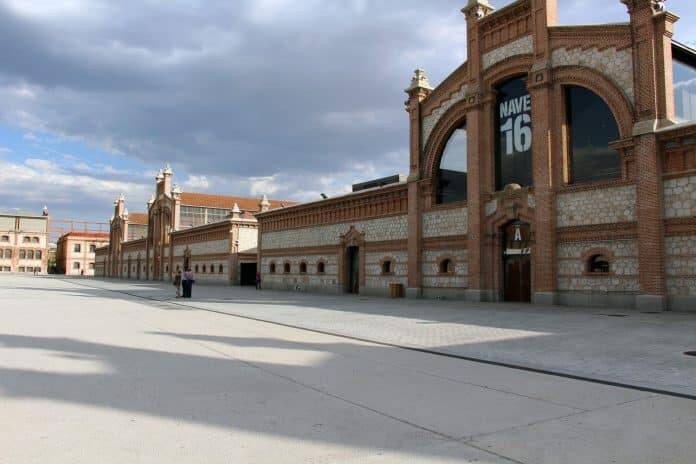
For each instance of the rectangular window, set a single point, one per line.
(5, 238)
(91, 265)
(92, 248)
(77, 248)
(76, 265)
(21, 269)
(684, 70)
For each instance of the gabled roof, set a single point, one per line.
(137, 218)
(227, 202)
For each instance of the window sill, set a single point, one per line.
(597, 185)
(598, 274)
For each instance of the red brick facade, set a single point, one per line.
(629, 66)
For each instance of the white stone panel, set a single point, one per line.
(521, 46)
(603, 206)
(624, 268)
(429, 122)
(204, 248)
(680, 197)
(389, 228)
(617, 65)
(445, 222)
(248, 239)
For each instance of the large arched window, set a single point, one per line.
(451, 185)
(591, 127)
(513, 130)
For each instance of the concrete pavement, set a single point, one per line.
(90, 375)
(627, 347)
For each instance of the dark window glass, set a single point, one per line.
(286, 268)
(451, 184)
(220, 269)
(591, 128)
(386, 267)
(272, 268)
(599, 263)
(320, 268)
(684, 86)
(446, 266)
(303, 268)
(514, 134)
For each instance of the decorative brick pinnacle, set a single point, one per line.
(477, 9)
(419, 81)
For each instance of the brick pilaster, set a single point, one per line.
(651, 30)
(418, 91)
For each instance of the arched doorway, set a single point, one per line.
(353, 269)
(517, 263)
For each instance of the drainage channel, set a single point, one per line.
(444, 354)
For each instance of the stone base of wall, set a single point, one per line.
(445, 293)
(681, 303)
(325, 289)
(612, 300)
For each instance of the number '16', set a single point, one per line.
(518, 134)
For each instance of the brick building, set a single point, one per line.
(76, 252)
(556, 165)
(24, 243)
(214, 235)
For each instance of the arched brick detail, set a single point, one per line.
(615, 98)
(590, 253)
(392, 262)
(439, 137)
(441, 259)
(518, 65)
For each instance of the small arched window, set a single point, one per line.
(386, 266)
(35, 239)
(37, 255)
(220, 269)
(272, 268)
(591, 127)
(30, 254)
(452, 174)
(303, 268)
(204, 269)
(446, 266)
(8, 253)
(321, 267)
(286, 268)
(196, 268)
(599, 264)
(22, 254)
(26, 239)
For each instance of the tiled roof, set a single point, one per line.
(137, 218)
(78, 234)
(225, 202)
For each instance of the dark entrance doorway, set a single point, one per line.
(517, 264)
(352, 269)
(248, 274)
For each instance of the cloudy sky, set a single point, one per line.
(289, 98)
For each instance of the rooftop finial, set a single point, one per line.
(167, 170)
(159, 176)
(477, 9)
(419, 81)
(265, 204)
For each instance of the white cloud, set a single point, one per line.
(42, 165)
(4, 150)
(263, 185)
(197, 183)
(30, 136)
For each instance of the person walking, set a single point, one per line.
(177, 282)
(258, 280)
(188, 283)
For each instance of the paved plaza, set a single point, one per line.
(113, 372)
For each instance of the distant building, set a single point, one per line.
(213, 235)
(24, 243)
(76, 251)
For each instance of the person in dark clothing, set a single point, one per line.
(258, 281)
(187, 283)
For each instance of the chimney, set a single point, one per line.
(236, 212)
